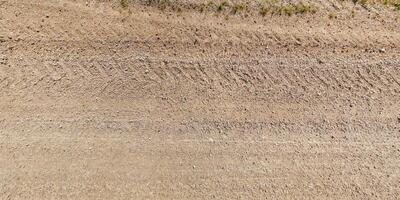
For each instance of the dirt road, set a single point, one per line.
(102, 100)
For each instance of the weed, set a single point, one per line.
(222, 5)
(397, 6)
(305, 8)
(264, 10)
(123, 3)
(287, 9)
(332, 15)
(394, 3)
(202, 8)
(237, 8)
(210, 3)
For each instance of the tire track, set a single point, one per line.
(231, 77)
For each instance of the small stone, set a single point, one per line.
(382, 50)
(56, 77)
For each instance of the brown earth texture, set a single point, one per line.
(193, 99)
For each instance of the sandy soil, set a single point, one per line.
(104, 102)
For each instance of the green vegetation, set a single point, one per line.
(394, 3)
(332, 15)
(123, 3)
(222, 5)
(267, 6)
(264, 7)
(364, 3)
(264, 10)
(237, 8)
(210, 3)
(273, 7)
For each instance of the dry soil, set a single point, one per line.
(103, 100)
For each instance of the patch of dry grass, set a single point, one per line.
(277, 7)
(273, 7)
(364, 3)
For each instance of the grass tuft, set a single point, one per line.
(237, 8)
(222, 5)
(273, 7)
(123, 3)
